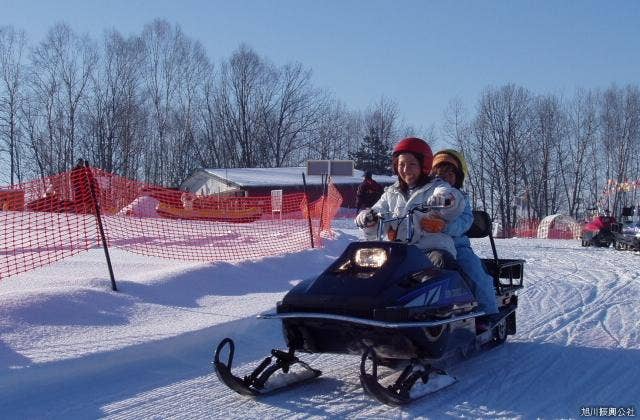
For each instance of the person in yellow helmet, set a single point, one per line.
(450, 166)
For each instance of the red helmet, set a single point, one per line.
(418, 147)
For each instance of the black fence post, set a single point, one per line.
(304, 183)
(90, 180)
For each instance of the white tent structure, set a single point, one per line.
(559, 226)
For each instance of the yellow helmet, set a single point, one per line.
(456, 159)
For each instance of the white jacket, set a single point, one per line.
(394, 203)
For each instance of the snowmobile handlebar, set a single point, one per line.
(409, 217)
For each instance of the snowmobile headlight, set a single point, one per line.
(370, 257)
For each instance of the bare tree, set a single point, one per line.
(457, 130)
(573, 150)
(481, 165)
(336, 133)
(211, 151)
(620, 119)
(379, 130)
(42, 118)
(503, 121)
(382, 120)
(194, 72)
(12, 48)
(164, 48)
(239, 98)
(291, 113)
(114, 116)
(31, 125)
(540, 174)
(62, 66)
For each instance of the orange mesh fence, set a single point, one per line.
(324, 209)
(331, 207)
(556, 229)
(46, 220)
(526, 228)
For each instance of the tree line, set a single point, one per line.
(535, 155)
(153, 107)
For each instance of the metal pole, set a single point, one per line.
(304, 183)
(100, 228)
(324, 194)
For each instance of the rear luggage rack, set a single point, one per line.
(507, 273)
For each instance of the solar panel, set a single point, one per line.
(330, 167)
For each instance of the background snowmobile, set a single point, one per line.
(627, 238)
(599, 231)
(387, 303)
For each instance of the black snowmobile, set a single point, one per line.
(599, 231)
(627, 236)
(387, 303)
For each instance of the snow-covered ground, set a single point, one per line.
(72, 348)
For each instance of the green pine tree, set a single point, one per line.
(373, 155)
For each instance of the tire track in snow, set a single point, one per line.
(564, 299)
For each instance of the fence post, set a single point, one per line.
(306, 197)
(325, 181)
(90, 179)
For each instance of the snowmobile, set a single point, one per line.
(627, 238)
(385, 302)
(599, 231)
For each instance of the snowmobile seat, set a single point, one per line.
(628, 211)
(626, 219)
(507, 273)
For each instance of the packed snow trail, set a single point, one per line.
(70, 348)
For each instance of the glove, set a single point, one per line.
(366, 218)
(441, 198)
(392, 234)
(432, 225)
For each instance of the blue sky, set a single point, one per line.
(421, 54)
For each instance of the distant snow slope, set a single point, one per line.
(71, 348)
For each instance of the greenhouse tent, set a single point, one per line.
(559, 226)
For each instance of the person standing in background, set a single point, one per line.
(369, 192)
(82, 180)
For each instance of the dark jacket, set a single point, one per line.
(369, 192)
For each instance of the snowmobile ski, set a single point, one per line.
(268, 377)
(415, 381)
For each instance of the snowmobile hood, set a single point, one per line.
(346, 277)
(349, 287)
